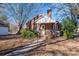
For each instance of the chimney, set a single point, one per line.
(49, 12)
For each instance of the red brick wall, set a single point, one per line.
(48, 26)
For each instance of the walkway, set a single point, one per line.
(27, 48)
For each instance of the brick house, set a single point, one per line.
(43, 21)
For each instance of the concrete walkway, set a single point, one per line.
(26, 48)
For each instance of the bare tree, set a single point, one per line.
(20, 12)
(3, 17)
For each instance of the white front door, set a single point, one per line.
(42, 30)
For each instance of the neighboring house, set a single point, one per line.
(43, 21)
(4, 28)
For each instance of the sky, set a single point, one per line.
(42, 9)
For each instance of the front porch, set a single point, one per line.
(48, 29)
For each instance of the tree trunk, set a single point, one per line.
(19, 30)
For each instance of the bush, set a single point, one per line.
(68, 27)
(26, 33)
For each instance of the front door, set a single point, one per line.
(42, 30)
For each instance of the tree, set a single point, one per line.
(20, 12)
(72, 11)
(65, 10)
(2, 13)
(68, 27)
(3, 17)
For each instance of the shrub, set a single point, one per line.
(26, 33)
(68, 27)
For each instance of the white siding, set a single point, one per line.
(3, 30)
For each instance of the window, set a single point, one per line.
(77, 16)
